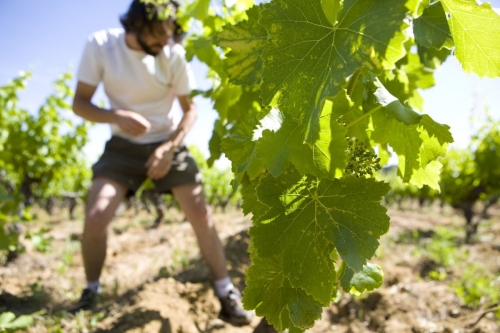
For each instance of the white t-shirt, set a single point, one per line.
(136, 81)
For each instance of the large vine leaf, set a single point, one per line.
(476, 32)
(224, 97)
(275, 147)
(369, 278)
(431, 29)
(204, 50)
(322, 158)
(332, 8)
(214, 144)
(196, 9)
(304, 219)
(417, 7)
(439, 131)
(404, 139)
(431, 57)
(428, 176)
(355, 120)
(308, 58)
(417, 139)
(240, 147)
(246, 40)
(270, 293)
(328, 153)
(247, 105)
(404, 81)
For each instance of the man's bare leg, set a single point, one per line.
(192, 201)
(104, 198)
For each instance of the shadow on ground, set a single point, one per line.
(140, 319)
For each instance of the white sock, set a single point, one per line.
(94, 286)
(223, 286)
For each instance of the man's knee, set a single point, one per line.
(96, 224)
(200, 216)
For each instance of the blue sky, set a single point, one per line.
(47, 38)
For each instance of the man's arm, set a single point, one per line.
(160, 161)
(189, 116)
(83, 106)
(130, 122)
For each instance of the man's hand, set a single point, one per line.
(132, 123)
(159, 162)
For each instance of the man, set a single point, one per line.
(143, 71)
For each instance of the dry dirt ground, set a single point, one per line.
(154, 280)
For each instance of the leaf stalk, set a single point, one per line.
(352, 82)
(366, 115)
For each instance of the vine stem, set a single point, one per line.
(366, 115)
(353, 81)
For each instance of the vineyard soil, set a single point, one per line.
(155, 282)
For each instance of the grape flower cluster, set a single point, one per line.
(361, 160)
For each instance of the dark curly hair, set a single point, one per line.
(141, 16)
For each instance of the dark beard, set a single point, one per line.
(147, 48)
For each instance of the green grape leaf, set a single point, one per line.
(307, 59)
(404, 139)
(269, 292)
(275, 147)
(397, 126)
(431, 57)
(439, 131)
(328, 153)
(197, 10)
(383, 154)
(393, 107)
(431, 29)
(251, 203)
(369, 278)
(476, 32)
(203, 49)
(240, 147)
(246, 39)
(428, 176)
(355, 120)
(287, 144)
(435, 144)
(305, 219)
(417, 139)
(403, 85)
(214, 144)
(418, 6)
(431, 149)
(332, 8)
(225, 96)
(404, 82)
(247, 104)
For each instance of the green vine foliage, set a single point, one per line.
(40, 153)
(471, 175)
(295, 83)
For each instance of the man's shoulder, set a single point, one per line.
(106, 37)
(175, 53)
(177, 50)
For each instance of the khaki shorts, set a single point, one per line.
(123, 161)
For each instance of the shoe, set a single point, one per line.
(86, 301)
(232, 309)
